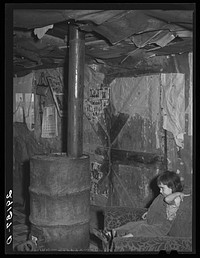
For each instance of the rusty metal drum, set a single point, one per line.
(60, 201)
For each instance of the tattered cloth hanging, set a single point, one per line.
(23, 100)
(173, 104)
(142, 96)
(189, 110)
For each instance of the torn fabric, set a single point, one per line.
(41, 31)
(23, 100)
(189, 110)
(173, 105)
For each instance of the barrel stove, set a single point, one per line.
(59, 198)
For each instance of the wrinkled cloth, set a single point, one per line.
(156, 223)
(182, 225)
(173, 105)
(172, 209)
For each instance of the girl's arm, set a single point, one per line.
(170, 198)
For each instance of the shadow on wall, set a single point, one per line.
(97, 217)
(25, 186)
(25, 146)
(155, 190)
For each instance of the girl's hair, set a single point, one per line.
(171, 179)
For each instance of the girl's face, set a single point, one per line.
(165, 190)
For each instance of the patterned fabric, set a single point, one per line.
(182, 225)
(171, 210)
(20, 227)
(143, 244)
(179, 238)
(117, 216)
(156, 223)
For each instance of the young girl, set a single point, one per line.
(158, 219)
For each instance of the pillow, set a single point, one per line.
(182, 225)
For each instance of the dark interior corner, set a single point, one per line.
(102, 104)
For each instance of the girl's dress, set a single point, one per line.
(158, 221)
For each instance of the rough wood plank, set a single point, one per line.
(136, 158)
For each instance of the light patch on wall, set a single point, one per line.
(137, 96)
(157, 171)
(157, 135)
(169, 161)
(18, 112)
(146, 187)
(24, 109)
(49, 122)
(23, 100)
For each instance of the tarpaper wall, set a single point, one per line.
(139, 142)
(122, 131)
(49, 131)
(181, 159)
(96, 132)
(139, 98)
(179, 156)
